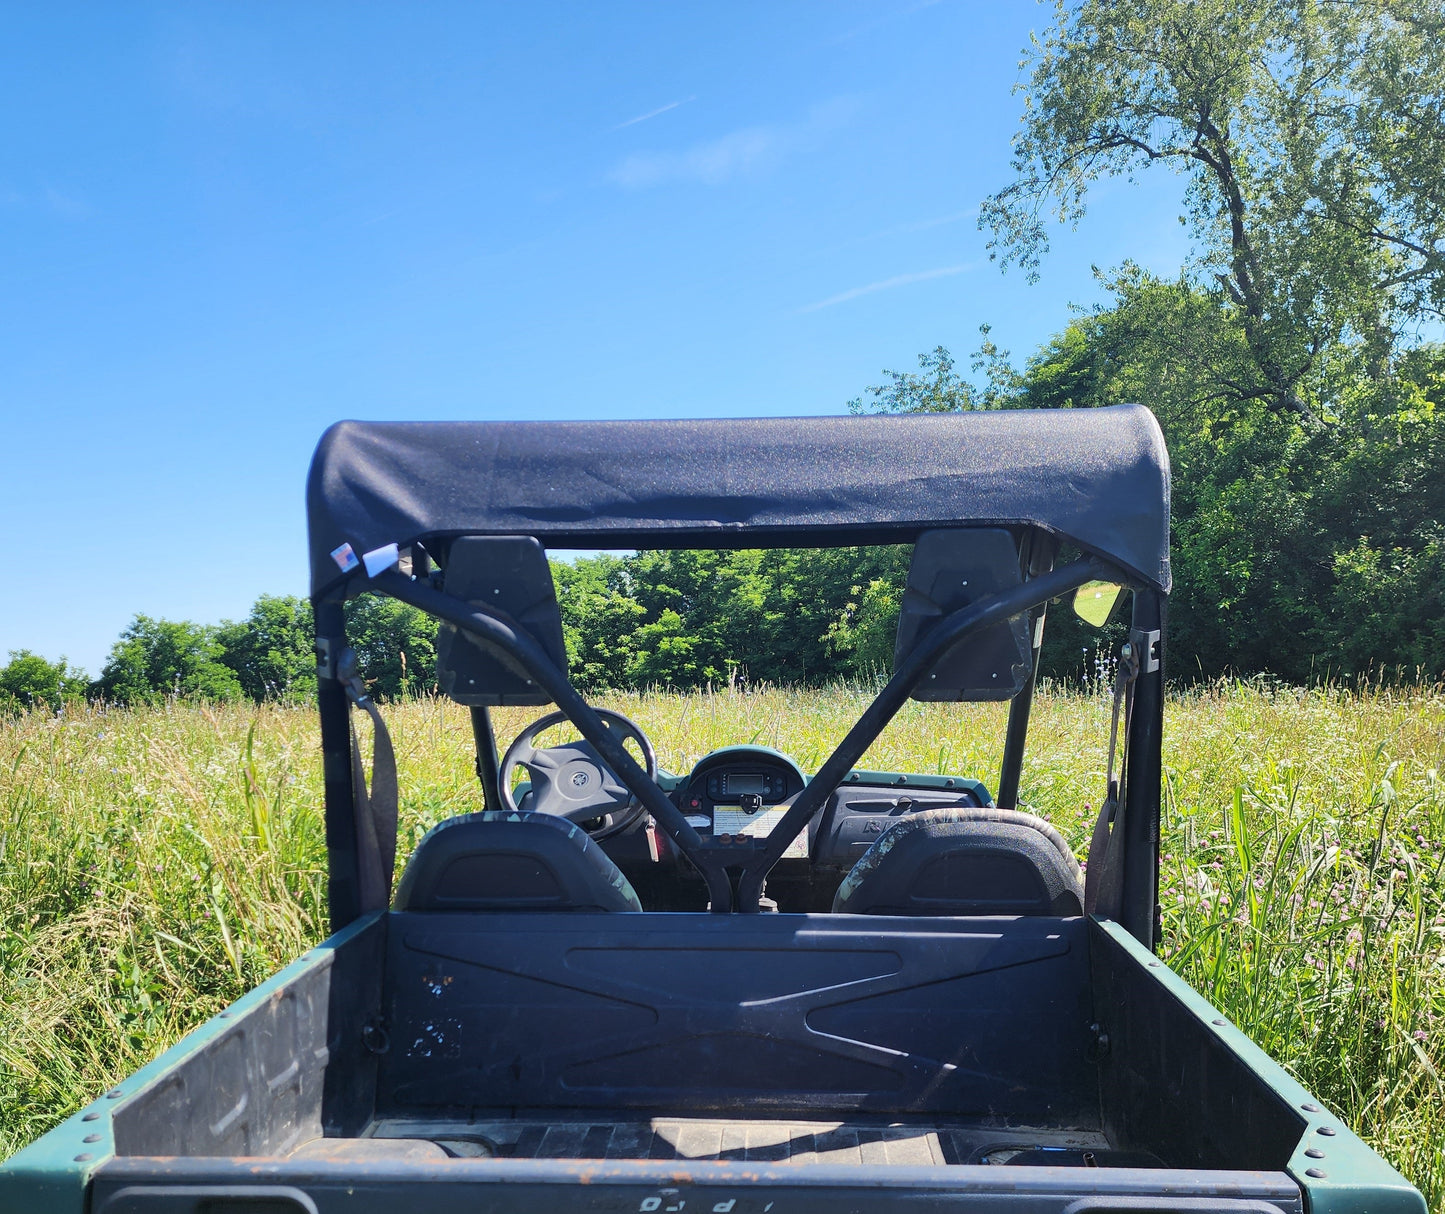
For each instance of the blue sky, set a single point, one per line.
(223, 227)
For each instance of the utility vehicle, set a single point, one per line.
(745, 988)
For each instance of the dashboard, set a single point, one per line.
(746, 790)
(743, 790)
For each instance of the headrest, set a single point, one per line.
(965, 860)
(495, 860)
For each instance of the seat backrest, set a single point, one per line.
(965, 861)
(512, 861)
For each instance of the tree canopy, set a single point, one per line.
(1312, 137)
(156, 658)
(27, 680)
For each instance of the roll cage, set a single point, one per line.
(1099, 479)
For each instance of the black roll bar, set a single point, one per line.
(342, 855)
(941, 638)
(488, 768)
(748, 860)
(1139, 906)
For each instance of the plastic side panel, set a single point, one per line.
(983, 1017)
(258, 1086)
(1181, 1080)
(527, 1187)
(265, 1055)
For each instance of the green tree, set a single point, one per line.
(938, 388)
(1278, 529)
(1311, 137)
(599, 620)
(29, 681)
(865, 632)
(1301, 551)
(687, 619)
(395, 646)
(272, 650)
(158, 658)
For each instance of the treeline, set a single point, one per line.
(1306, 551)
(652, 619)
(266, 656)
(675, 619)
(1301, 551)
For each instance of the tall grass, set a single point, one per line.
(156, 863)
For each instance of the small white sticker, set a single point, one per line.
(378, 560)
(345, 558)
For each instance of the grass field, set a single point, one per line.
(154, 864)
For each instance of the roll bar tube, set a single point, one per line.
(942, 637)
(1139, 912)
(750, 861)
(343, 879)
(498, 629)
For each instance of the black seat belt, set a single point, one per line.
(1104, 875)
(375, 812)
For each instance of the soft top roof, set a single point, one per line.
(1099, 477)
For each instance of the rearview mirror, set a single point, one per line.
(1094, 602)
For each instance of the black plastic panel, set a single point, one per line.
(694, 1012)
(952, 568)
(1161, 1060)
(283, 1072)
(506, 573)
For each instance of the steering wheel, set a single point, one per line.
(572, 781)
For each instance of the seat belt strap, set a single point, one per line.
(374, 811)
(1104, 875)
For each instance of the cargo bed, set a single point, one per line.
(671, 1062)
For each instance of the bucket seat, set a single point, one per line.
(965, 861)
(511, 861)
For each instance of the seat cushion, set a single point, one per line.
(512, 861)
(965, 861)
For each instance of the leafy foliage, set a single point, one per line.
(158, 658)
(272, 649)
(395, 646)
(1312, 137)
(693, 619)
(29, 681)
(940, 389)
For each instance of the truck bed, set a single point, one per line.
(854, 1141)
(655, 1062)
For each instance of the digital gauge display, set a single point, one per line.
(743, 783)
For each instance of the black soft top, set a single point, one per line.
(1099, 477)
